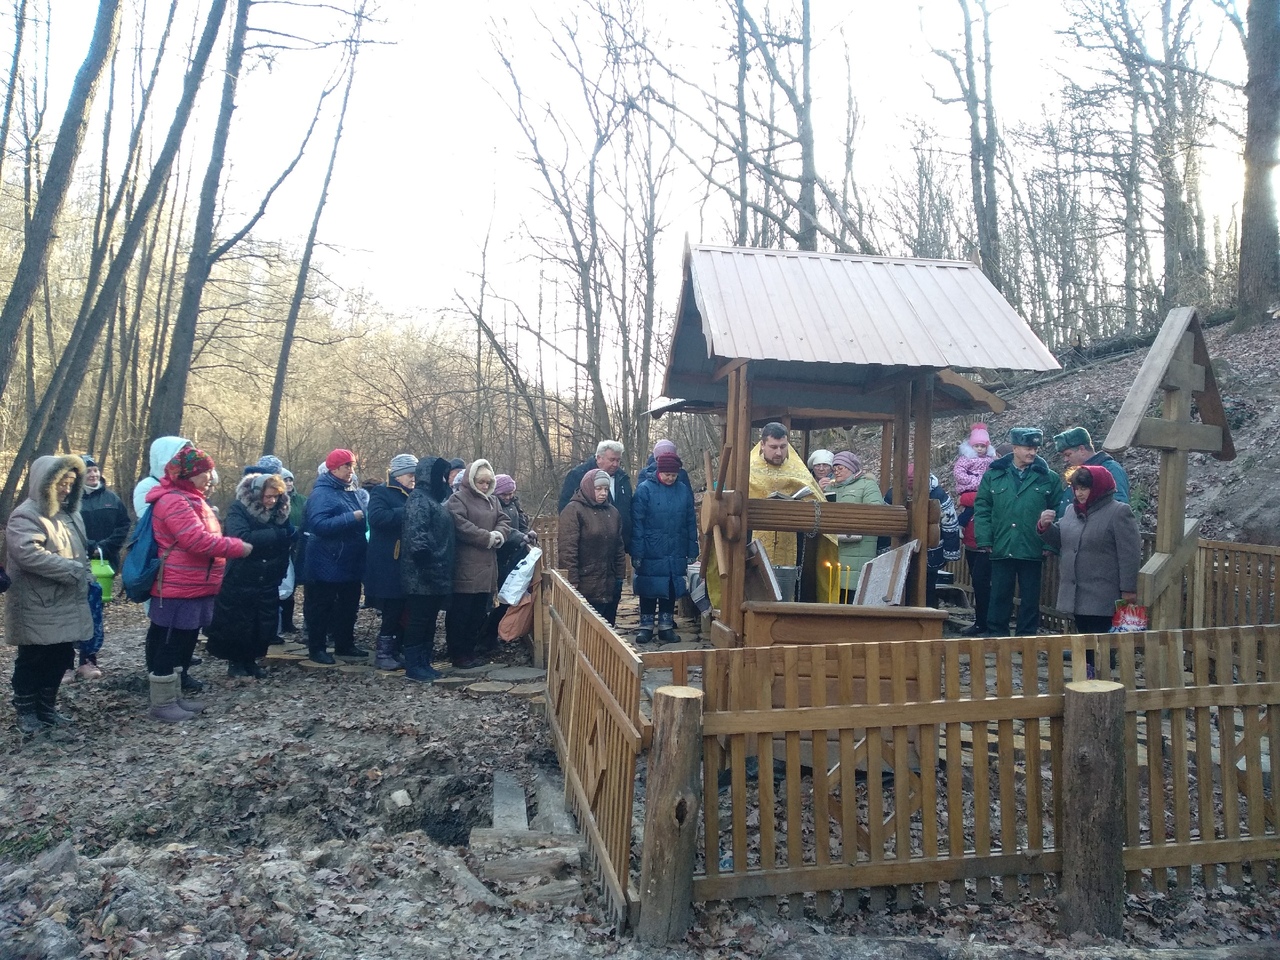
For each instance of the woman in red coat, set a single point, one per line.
(193, 555)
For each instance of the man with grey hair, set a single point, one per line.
(609, 459)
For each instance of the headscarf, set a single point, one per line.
(1104, 484)
(595, 477)
(188, 462)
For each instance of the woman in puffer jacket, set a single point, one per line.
(426, 564)
(590, 544)
(664, 541)
(333, 560)
(194, 556)
(46, 612)
(481, 527)
(247, 610)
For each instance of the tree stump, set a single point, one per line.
(1093, 831)
(671, 808)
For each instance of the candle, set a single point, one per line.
(830, 574)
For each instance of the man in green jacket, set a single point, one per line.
(1013, 493)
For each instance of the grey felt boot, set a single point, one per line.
(164, 699)
(384, 659)
(47, 708)
(24, 705)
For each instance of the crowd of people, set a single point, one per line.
(440, 535)
(436, 535)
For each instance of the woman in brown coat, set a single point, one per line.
(481, 527)
(47, 606)
(590, 544)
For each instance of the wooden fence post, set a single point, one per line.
(1093, 831)
(671, 806)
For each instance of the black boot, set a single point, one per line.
(24, 705)
(47, 708)
(418, 665)
(354, 653)
(318, 654)
(190, 684)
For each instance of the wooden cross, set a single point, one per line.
(1179, 365)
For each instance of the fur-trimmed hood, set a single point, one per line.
(475, 467)
(43, 480)
(249, 493)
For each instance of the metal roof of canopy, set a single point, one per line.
(829, 336)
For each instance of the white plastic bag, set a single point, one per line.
(287, 584)
(518, 580)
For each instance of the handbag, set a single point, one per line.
(287, 583)
(518, 580)
(518, 620)
(1129, 617)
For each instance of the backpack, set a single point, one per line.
(142, 561)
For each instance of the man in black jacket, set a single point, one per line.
(106, 525)
(609, 459)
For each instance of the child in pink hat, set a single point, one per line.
(975, 457)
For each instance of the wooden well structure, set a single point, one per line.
(818, 340)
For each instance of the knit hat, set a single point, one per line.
(457, 463)
(187, 463)
(978, 434)
(1026, 436)
(821, 456)
(669, 463)
(88, 460)
(401, 464)
(1075, 437)
(595, 477)
(848, 460)
(1004, 449)
(286, 473)
(503, 484)
(254, 469)
(270, 463)
(338, 457)
(663, 446)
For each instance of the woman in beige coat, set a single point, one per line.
(47, 608)
(481, 527)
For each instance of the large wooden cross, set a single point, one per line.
(1177, 364)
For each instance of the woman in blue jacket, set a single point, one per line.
(334, 561)
(664, 541)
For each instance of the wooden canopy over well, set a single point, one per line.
(820, 340)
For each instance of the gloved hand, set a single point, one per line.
(495, 539)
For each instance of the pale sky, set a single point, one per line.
(431, 158)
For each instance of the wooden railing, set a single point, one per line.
(822, 776)
(593, 704)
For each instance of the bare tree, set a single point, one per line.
(57, 181)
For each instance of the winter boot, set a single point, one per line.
(24, 705)
(164, 699)
(667, 628)
(317, 653)
(383, 658)
(47, 708)
(418, 665)
(191, 706)
(237, 668)
(352, 654)
(645, 633)
(190, 684)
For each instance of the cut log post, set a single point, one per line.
(671, 816)
(1092, 897)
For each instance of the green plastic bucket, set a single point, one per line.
(105, 576)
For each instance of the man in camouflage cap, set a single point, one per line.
(1075, 446)
(1014, 491)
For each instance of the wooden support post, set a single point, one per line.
(672, 800)
(1093, 832)
(922, 414)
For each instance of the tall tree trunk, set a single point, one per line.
(1259, 283)
(304, 268)
(171, 391)
(19, 31)
(55, 406)
(57, 181)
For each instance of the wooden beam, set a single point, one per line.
(1158, 573)
(1209, 401)
(1134, 409)
(922, 414)
(1173, 435)
(728, 367)
(976, 393)
(1183, 376)
(799, 516)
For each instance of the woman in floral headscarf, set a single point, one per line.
(193, 554)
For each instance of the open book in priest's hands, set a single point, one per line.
(800, 494)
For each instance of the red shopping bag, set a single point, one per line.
(1129, 617)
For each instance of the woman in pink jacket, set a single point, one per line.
(193, 554)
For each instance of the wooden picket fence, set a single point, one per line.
(820, 776)
(593, 705)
